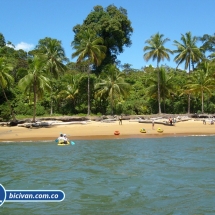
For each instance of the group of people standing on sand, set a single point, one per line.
(62, 139)
(211, 122)
(171, 121)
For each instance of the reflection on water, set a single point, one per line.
(132, 176)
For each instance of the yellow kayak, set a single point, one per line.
(61, 143)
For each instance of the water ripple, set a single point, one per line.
(134, 176)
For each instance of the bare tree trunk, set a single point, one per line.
(202, 102)
(112, 103)
(51, 102)
(188, 111)
(88, 89)
(51, 107)
(35, 99)
(159, 99)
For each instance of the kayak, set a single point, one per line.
(61, 143)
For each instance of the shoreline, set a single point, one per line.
(103, 131)
(106, 138)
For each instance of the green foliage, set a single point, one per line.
(187, 51)
(36, 81)
(208, 42)
(73, 88)
(27, 110)
(5, 112)
(54, 53)
(2, 40)
(155, 50)
(111, 24)
(112, 87)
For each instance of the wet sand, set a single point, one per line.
(101, 130)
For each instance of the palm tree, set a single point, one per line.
(55, 58)
(5, 80)
(155, 50)
(36, 81)
(187, 52)
(112, 86)
(89, 48)
(201, 83)
(166, 86)
(72, 89)
(54, 53)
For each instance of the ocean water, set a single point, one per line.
(164, 176)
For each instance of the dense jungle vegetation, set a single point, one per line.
(44, 81)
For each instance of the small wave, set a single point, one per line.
(26, 141)
(202, 135)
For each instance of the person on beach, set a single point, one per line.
(170, 121)
(153, 124)
(120, 120)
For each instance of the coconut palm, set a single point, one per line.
(90, 48)
(202, 83)
(54, 53)
(188, 53)
(166, 86)
(112, 86)
(36, 81)
(55, 58)
(6, 80)
(155, 50)
(72, 90)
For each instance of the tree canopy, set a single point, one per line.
(111, 24)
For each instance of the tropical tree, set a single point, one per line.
(54, 53)
(89, 47)
(112, 86)
(72, 89)
(36, 81)
(6, 80)
(189, 53)
(208, 42)
(113, 26)
(166, 86)
(2, 40)
(201, 84)
(155, 50)
(55, 58)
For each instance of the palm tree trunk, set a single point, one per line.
(202, 102)
(159, 99)
(188, 111)
(51, 102)
(112, 103)
(51, 108)
(88, 91)
(164, 105)
(34, 111)
(11, 109)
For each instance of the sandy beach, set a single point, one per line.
(101, 130)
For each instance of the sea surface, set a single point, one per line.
(164, 176)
